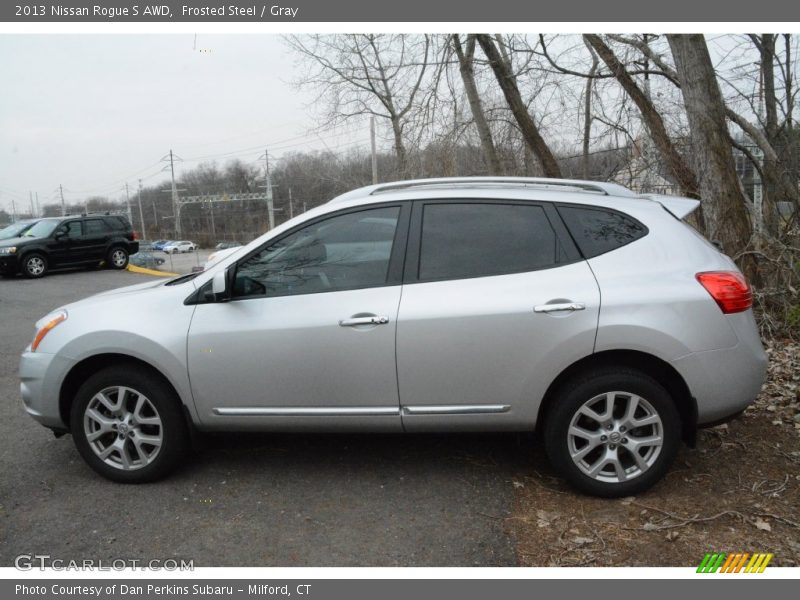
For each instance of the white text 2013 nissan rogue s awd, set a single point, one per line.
(577, 309)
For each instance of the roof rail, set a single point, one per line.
(598, 187)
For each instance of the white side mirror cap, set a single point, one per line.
(218, 283)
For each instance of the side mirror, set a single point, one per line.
(219, 286)
(60, 234)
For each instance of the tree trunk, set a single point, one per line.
(724, 203)
(587, 110)
(508, 83)
(771, 186)
(400, 149)
(465, 63)
(676, 164)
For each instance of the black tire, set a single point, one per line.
(572, 397)
(34, 265)
(164, 405)
(117, 258)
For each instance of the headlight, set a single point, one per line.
(53, 320)
(8, 250)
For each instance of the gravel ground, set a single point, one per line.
(738, 491)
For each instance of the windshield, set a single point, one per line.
(41, 229)
(15, 229)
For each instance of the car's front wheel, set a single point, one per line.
(34, 265)
(612, 432)
(127, 425)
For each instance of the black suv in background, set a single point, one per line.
(71, 241)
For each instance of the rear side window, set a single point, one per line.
(478, 240)
(116, 223)
(94, 227)
(598, 230)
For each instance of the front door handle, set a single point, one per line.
(373, 320)
(565, 307)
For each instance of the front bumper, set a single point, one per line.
(9, 263)
(40, 377)
(723, 382)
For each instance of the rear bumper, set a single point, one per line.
(723, 382)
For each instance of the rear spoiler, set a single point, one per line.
(676, 205)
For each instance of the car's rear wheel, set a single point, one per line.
(34, 265)
(127, 425)
(117, 258)
(612, 432)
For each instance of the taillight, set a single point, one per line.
(729, 289)
(135, 235)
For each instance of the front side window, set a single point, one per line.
(478, 240)
(349, 251)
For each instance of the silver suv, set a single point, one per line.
(579, 310)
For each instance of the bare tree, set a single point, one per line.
(508, 84)
(676, 164)
(724, 203)
(368, 74)
(466, 62)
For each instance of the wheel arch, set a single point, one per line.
(90, 365)
(658, 369)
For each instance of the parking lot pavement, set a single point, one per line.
(290, 500)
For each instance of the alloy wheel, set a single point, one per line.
(35, 265)
(123, 428)
(615, 437)
(118, 257)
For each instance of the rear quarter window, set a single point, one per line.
(599, 230)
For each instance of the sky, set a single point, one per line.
(91, 112)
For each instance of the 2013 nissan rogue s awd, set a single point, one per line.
(580, 310)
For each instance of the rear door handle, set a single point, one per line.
(373, 320)
(565, 307)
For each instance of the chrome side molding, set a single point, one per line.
(307, 411)
(456, 409)
(365, 411)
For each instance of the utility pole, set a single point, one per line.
(141, 214)
(128, 203)
(291, 208)
(213, 228)
(30, 197)
(63, 204)
(38, 206)
(374, 151)
(13, 211)
(176, 205)
(155, 212)
(268, 184)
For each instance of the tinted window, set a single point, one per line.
(344, 252)
(117, 223)
(73, 229)
(474, 240)
(596, 231)
(95, 227)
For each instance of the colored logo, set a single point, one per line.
(738, 562)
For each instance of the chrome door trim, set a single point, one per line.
(309, 411)
(456, 409)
